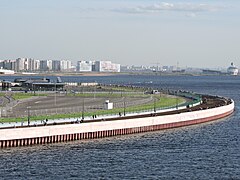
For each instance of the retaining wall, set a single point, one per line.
(61, 133)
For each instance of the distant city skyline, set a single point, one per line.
(36, 65)
(144, 32)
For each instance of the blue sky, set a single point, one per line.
(142, 32)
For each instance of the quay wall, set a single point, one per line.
(61, 133)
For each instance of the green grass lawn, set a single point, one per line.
(123, 89)
(19, 96)
(105, 94)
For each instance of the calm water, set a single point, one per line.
(206, 151)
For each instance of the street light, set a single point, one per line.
(154, 107)
(94, 91)
(34, 90)
(28, 115)
(124, 107)
(83, 109)
(55, 98)
(176, 99)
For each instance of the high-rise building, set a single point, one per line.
(45, 65)
(56, 65)
(31, 65)
(34, 65)
(23, 64)
(20, 64)
(8, 64)
(106, 66)
(84, 66)
(65, 65)
(2, 63)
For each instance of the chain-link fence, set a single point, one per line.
(7, 111)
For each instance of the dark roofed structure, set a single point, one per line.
(41, 84)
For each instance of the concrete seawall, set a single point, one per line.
(14, 137)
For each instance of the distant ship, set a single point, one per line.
(232, 70)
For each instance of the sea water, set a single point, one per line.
(205, 151)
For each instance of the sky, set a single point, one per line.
(190, 33)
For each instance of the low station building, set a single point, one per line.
(33, 84)
(41, 84)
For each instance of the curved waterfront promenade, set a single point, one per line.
(212, 108)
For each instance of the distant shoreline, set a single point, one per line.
(109, 74)
(62, 74)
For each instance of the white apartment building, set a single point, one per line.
(84, 66)
(31, 65)
(34, 65)
(106, 66)
(20, 64)
(25, 64)
(65, 65)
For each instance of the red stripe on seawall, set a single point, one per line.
(199, 121)
(106, 133)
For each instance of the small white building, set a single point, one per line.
(108, 105)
